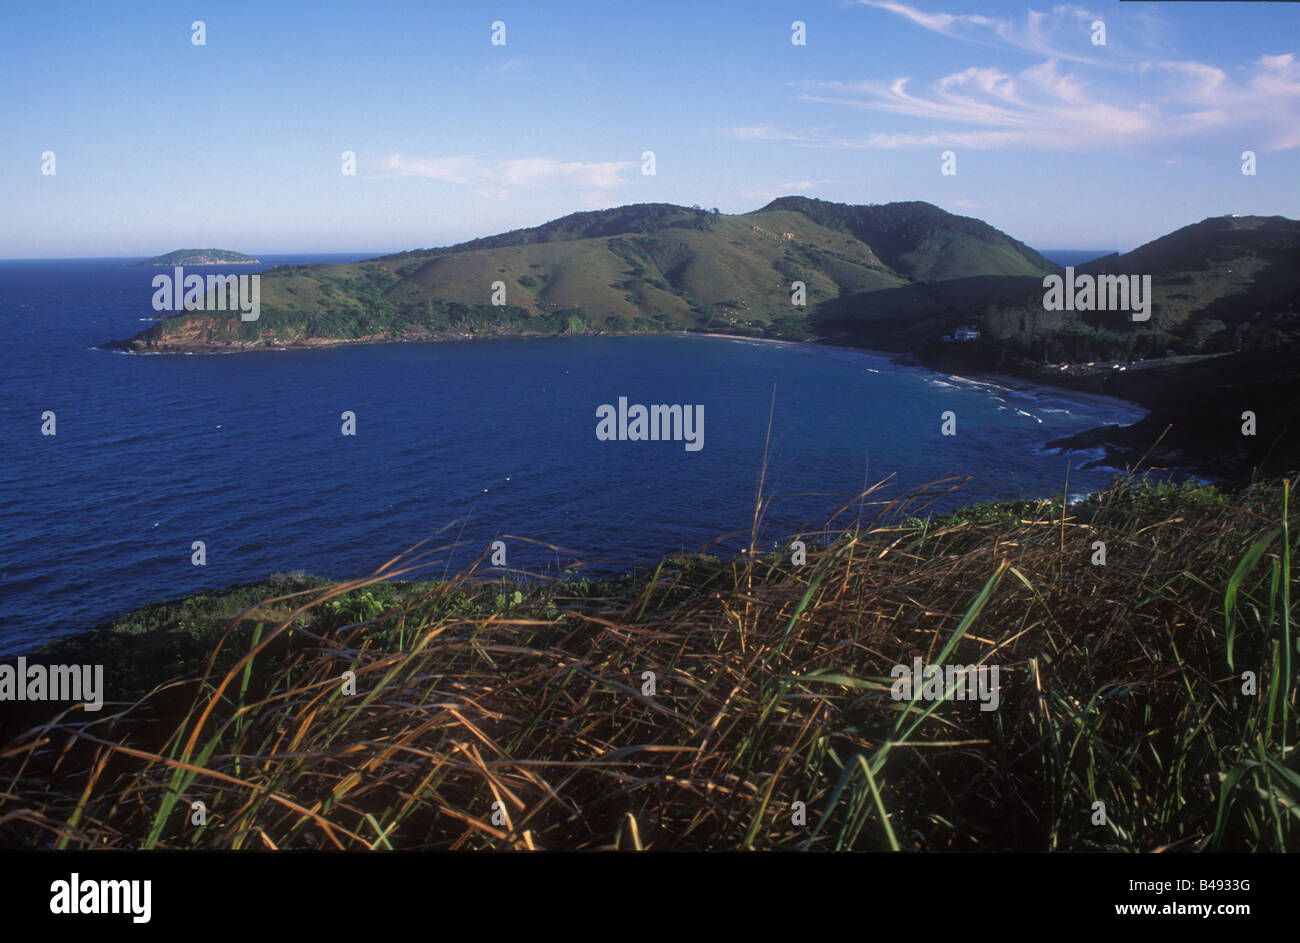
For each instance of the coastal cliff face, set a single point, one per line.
(213, 334)
(1222, 418)
(216, 335)
(201, 333)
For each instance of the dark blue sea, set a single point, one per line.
(1067, 257)
(476, 440)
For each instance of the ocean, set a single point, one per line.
(466, 442)
(1068, 257)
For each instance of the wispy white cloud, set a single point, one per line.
(1053, 108)
(497, 179)
(1062, 33)
(813, 137)
(763, 132)
(1266, 100)
(1075, 99)
(1040, 107)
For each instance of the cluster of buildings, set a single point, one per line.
(970, 333)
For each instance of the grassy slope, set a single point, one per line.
(1220, 285)
(1226, 300)
(1120, 683)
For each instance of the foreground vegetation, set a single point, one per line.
(492, 711)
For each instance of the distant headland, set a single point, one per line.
(201, 257)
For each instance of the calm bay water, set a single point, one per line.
(244, 452)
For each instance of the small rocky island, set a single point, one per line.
(201, 257)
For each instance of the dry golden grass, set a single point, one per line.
(479, 722)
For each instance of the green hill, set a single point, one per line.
(201, 257)
(1223, 285)
(1222, 339)
(921, 241)
(645, 267)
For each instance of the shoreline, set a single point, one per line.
(905, 359)
(1106, 436)
(1006, 381)
(191, 264)
(115, 628)
(1131, 439)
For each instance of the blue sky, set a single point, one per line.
(161, 144)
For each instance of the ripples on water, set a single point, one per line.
(244, 452)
